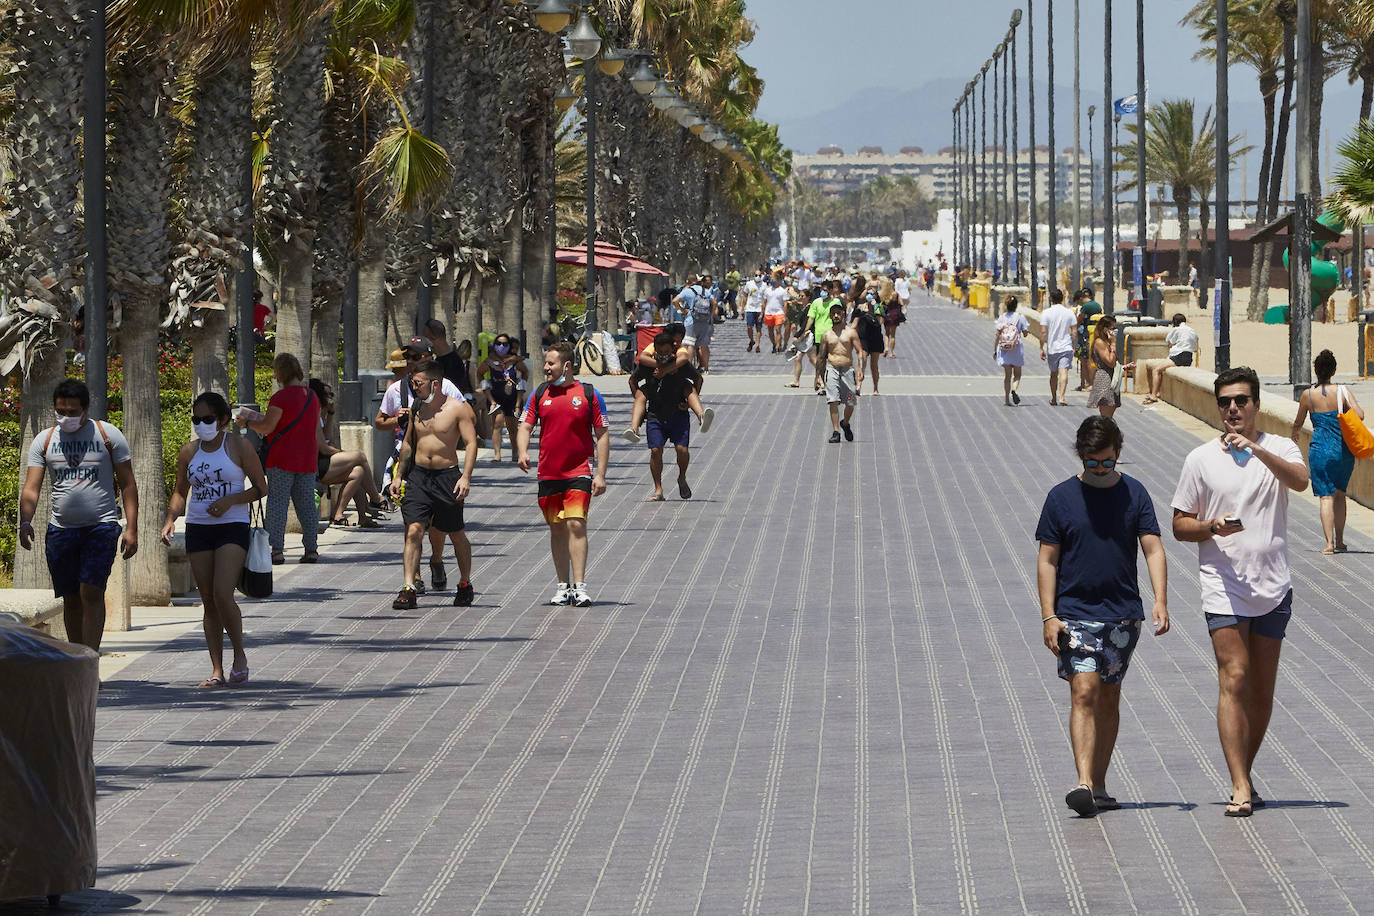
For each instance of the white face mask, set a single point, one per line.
(432, 395)
(70, 424)
(205, 432)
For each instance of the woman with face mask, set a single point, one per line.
(503, 378)
(210, 488)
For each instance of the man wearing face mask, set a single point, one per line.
(1232, 501)
(87, 459)
(1090, 605)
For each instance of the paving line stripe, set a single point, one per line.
(678, 608)
(695, 747)
(755, 562)
(860, 827)
(763, 832)
(820, 740)
(497, 794)
(554, 862)
(949, 771)
(902, 524)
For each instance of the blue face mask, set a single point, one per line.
(500, 349)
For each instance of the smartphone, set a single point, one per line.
(1233, 520)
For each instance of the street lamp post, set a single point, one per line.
(1076, 263)
(585, 43)
(983, 163)
(1108, 227)
(1002, 183)
(1222, 273)
(1030, 111)
(93, 188)
(1015, 156)
(1092, 199)
(1300, 319)
(996, 172)
(1140, 207)
(1053, 254)
(956, 178)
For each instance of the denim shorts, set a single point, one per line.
(1101, 646)
(1273, 624)
(80, 556)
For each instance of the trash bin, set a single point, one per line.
(47, 765)
(1154, 301)
(1364, 345)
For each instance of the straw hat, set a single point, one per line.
(397, 360)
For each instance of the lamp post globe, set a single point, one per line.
(553, 15)
(611, 62)
(643, 80)
(583, 41)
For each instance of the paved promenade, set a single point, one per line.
(818, 687)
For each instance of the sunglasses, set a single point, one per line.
(1240, 401)
(1104, 463)
(204, 421)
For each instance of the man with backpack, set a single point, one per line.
(571, 417)
(87, 459)
(699, 309)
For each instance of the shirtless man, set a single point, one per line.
(434, 487)
(838, 347)
(668, 422)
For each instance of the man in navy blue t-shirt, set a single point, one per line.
(1089, 600)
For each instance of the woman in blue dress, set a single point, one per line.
(1330, 461)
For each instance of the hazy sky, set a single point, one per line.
(814, 54)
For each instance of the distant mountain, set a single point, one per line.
(893, 118)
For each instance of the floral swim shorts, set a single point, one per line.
(1101, 646)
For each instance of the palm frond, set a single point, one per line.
(413, 168)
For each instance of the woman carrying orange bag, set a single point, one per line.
(1329, 458)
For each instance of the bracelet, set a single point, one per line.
(1049, 618)
(23, 525)
(1212, 527)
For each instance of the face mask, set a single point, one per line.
(69, 424)
(1101, 481)
(500, 349)
(432, 395)
(205, 432)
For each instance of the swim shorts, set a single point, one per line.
(80, 556)
(1096, 645)
(429, 499)
(561, 500)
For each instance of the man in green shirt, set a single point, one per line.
(732, 284)
(817, 323)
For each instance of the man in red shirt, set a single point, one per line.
(572, 424)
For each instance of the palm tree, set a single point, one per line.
(1352, 187)
(42, 241)
(1178, 154)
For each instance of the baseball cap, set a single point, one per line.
(418, 345)
(397, 360)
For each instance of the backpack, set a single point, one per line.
(538, 395)
(1008, 335)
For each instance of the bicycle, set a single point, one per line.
(586, 350)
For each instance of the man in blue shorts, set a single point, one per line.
(87, 461)
(1090, 607)
(669, 417)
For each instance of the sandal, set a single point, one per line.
(278, 558)
(1081, 801)
(1150, 401)
(1106, 802)
(214, 682)
(1239, 809)
(368, 521)
(310, 556)
(237, 677)
(340, 523)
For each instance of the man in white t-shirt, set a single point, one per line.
(774, 311)
(1232, 500)
(903, 287)
(753, 312)
(1056, 345)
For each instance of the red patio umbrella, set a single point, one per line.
(608, 257)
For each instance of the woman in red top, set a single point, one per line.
(288, 430)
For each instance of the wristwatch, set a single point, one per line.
(1212, 527)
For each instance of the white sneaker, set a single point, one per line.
(578, 597)
(563, 596)
(631, 434)
(707, 416)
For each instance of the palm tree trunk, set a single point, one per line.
(372, 342)
(142, 426)
(1260, 254)
(465, 317)
(489, 305)
(532, 276)
(1181, 204)
(1204, 262)
(445, 286)
(295, 299)
(210, 351)
(35, 415)
(512, 280)
(1316, 96)
(1264, 254)
(326, 320)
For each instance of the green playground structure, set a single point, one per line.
(1326, 275)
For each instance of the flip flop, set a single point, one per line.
(1239, 809)
(214, 682)
(237, 677)
(707, 416)
(1081, 801)
(368, 522)
(1256, 802)
(657, 498)
(683, 490)
(1106, 802)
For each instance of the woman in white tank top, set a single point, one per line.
(210, 486)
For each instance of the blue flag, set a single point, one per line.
(1125, 105)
